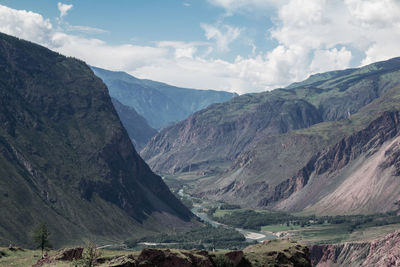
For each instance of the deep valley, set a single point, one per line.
(99, 168)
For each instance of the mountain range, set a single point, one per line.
(159, 103)
(327, 145)
(65, 158)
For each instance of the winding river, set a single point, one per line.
(250, 235)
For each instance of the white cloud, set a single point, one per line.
(182, 49)
(333, 59)
(98, 53)
(311, 36)
(25, 24)
(223, 36)
(233, 6)
(63, 8)
(375, 13)
(319, 26)
(85, 29)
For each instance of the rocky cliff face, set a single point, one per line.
(65, 157)
(381, 252)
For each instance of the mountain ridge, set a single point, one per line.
(161, 104)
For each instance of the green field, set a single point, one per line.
(279, 227)
(222, 213)
(323, 234)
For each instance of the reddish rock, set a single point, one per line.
(123, 261)
(69, 254)
(166, 258)
(238, 259)
(381, 252)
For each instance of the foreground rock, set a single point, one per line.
(271, 253)
(70, 254)
(380, 252)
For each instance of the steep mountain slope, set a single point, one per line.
(219, 133)
(66, 159)
(138, 130)
(233, 126)
(278, 166)
(261, 149)
(161, 104)
(360, 174)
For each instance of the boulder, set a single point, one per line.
(238, 259)
(69, 254)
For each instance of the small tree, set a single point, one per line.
(41, 237)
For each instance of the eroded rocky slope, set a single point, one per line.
(359, 174)
(381, 252)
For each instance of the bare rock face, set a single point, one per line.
(167, 258)
(123, 261)
(381, 252)
(70, 254)
(238, 259)
(347, 177)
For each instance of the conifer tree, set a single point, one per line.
(41, 237)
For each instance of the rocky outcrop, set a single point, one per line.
(124, 261)
(167, 258)
(69, 254)
(238, 259)
(381, 252)
(269, 253)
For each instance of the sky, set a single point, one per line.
(240, 46)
